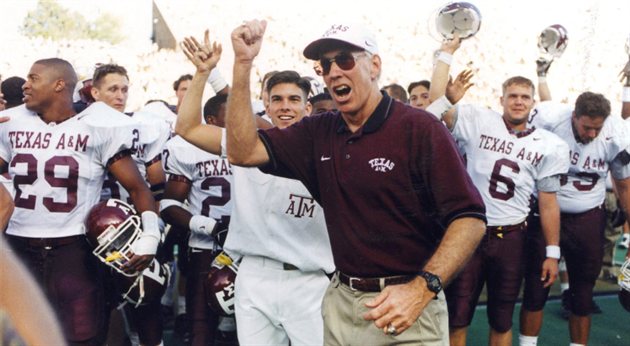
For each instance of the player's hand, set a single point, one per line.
(455, 90)
(625, 74)
(399, 305)
(247, 40)
(549, 272)
(450, 45)
(542, 66)
(138, 263)
(204, 56)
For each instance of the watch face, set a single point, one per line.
(433, 282)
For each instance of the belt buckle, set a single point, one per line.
(350, 283)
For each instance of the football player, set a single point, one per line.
(507, 163)
(110, 84)
(598, 143)
(276, 227)
(205, 180)
(58, 160)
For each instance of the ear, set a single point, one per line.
(211, 120)
(60, 85)
(375, 67)
(309, 108)
(94, 92)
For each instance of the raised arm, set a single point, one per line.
(244, 147)
(542, 67)
(205, 58)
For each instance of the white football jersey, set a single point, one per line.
(584, 187)
(211, 182)
(277, 218)
(58, 169)
(503, 166)
(149, 140)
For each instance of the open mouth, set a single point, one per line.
(342, 90)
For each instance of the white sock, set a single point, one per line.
(574, 344)
(227, 324)
(564, 286)
(524, 340)
(181, 305)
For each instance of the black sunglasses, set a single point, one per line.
(345, 60)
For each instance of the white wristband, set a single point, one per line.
(445, 57)
(542, 79)
(439, 107)
(149, 239)
(216, 80)
(201, 224)
(553, 251)
(625, 96)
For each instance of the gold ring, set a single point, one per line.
(391, 330)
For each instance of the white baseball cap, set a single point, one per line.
(353, 34)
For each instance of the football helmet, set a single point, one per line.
(553, 40)
(146, 287)
(219, 285)
(111, 227)
(624, 283)
(458, 17)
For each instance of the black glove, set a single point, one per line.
(542, 66)
(220, 230)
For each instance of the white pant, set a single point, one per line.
(274, 305)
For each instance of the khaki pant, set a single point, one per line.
(344, 325)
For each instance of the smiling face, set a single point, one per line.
(354, 90)
(517, 102)
(287, 104)
(113, 89)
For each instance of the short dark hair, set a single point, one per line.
(103, 70)
(64, 70)
(290, 77)
(592, 105)
(397, 92)
(12, 90)
(320, 97)
(425, 83)
(179, 80)
(213, 105)
(518, 80)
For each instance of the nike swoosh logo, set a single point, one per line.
(325, 158)
(608, 138)
(536, 139)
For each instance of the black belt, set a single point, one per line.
(48, 242)
(373, 284)
(509, 228)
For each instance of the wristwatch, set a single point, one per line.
(434, 284)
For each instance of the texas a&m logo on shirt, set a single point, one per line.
(300, 206)
(381, 164)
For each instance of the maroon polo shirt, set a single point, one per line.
(388, 191)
